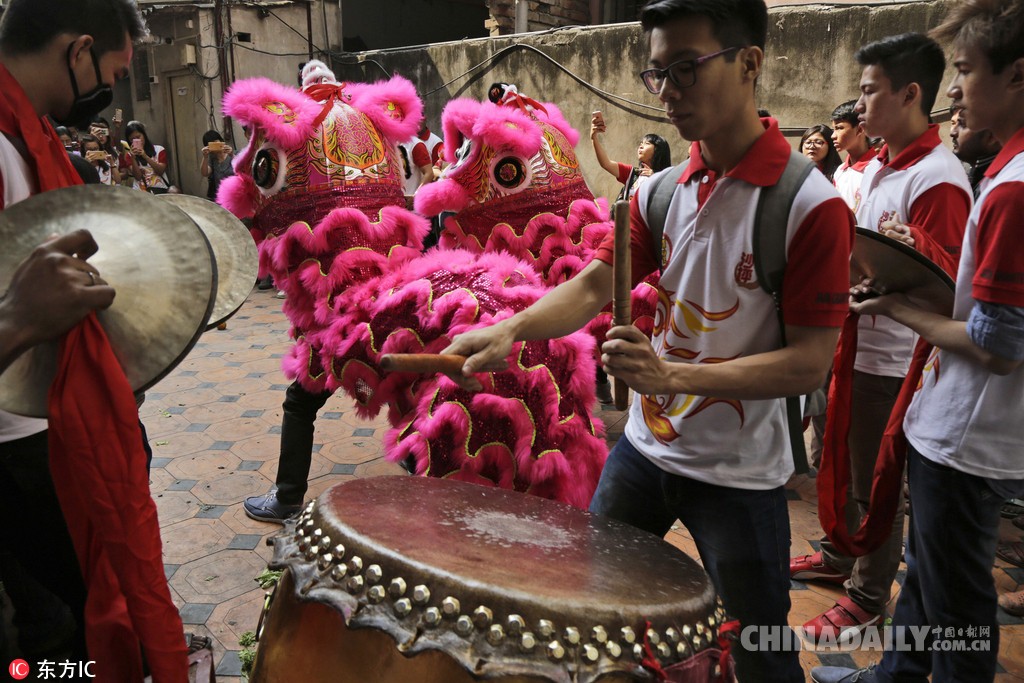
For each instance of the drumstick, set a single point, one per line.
(621, 291)
(426, 363)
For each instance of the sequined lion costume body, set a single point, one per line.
(320, 179)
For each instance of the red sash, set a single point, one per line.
(99, 471)
(834, 475)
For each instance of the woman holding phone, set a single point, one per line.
(104, 162)
(652, 155)
(149, 161)
(216, 165)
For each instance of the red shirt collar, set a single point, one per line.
(762, 165)
(914, 152)
(1012, 148)
(861, 163)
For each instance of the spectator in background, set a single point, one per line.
(109, 140)
(816, 145)
(148, 161)
(66, 139)
(653, 155)
(104, 162)
(976, 148)
(848, 137)
(216, 165)
(417, 164)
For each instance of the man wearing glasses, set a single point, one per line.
(706, 441)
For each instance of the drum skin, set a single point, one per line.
(396, 579)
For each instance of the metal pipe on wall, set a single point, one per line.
(522, 16)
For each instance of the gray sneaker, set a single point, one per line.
(267, 508)
(842, 674)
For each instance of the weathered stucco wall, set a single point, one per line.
(809, 69)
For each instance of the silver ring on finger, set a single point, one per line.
(92, 278)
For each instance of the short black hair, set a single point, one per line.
(908, 58)
(846, 112)
(29, 25)
(734, 23)
(212, 136)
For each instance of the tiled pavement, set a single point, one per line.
(214, 424)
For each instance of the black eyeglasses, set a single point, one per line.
(683, 73)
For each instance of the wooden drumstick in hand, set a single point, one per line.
(621, 291)
(425, 363)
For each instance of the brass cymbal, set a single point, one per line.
(897, 267)
(154, 255)
(234, 250)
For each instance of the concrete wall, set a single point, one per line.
(809, 69)
(185, 99)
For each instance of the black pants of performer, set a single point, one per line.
(297, 425)
(34, 534)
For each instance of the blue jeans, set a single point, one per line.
(742, 537)
(954, 520)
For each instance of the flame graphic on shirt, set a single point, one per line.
(931, 365)
(689, 320)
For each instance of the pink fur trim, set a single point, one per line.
(258, 102)
(504, 128)
(446, 194)
(393, 106)
(237, 194)
(457, 122)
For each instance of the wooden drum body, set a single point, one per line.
(422, 580)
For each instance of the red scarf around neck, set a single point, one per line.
(19, 121)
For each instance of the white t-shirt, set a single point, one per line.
(890, 188)
(964, 416)
(19, 184)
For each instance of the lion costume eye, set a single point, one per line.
(508, 173)
(265, 168)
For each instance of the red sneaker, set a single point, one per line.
(841, 622)
(813, 568)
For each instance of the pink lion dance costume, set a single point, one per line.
(515, 186)
(320, 179)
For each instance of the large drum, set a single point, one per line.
(423, 580)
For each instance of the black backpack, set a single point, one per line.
(770, 221)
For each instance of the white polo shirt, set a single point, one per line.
(712, 309)
(848, 177)
(18, 184)
(926, 186)
(964, 416)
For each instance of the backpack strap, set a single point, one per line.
(770, 221)
(662, 189)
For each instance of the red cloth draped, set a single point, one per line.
(834, 475)
(20, 121)
(99, 471)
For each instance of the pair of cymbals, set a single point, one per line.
(179, 264)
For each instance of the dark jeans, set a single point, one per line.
(35, 535)
(954, 522)
(742, 537)
(297, 425)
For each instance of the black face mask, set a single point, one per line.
(86, 105)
